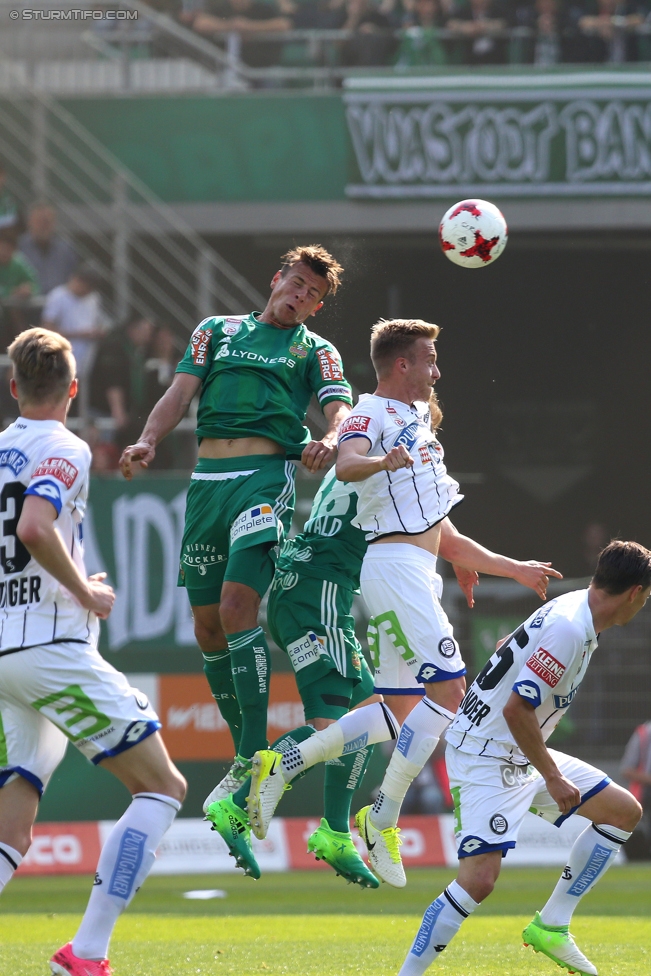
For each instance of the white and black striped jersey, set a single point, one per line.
(410, 500)
(544, 661)
(43, 458)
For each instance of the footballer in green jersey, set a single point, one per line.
(255, 375)
(309, 616)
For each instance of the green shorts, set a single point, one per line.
(237, 511)
(310, 620)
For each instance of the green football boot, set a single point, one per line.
(338, 850)
(557, 943)
(233, 825)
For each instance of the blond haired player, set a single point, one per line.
(389, 449)
(54, 685)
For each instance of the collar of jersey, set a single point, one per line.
(41, 423)
(411, 407)
(268, 325)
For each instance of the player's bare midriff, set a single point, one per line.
(218, 448)
(429, 540)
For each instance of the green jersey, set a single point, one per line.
(18, 271)
(257, 380)
(330, 547)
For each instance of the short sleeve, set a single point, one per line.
(198, 356)
(60, 476)
(326, 375)
(547, 663)
(361, 422)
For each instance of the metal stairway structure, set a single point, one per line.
(150, 259)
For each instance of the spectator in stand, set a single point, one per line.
(18, 283)
(478, 21)
(420, 44)
(242, 17)
(75, 310)
(374, 43)
(119, 378)
(53, 258)
(604, 30)
(9, 216)
(17, 277)
(636, 768)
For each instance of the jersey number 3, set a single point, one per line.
(13, 555)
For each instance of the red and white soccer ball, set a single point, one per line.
(473, 233)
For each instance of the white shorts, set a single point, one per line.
(491, 797)
(409, 636)
(56, 693)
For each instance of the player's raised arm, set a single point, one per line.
(353, 463)
(468, 554)
(319, 454)
(37, 533)
(170, 409)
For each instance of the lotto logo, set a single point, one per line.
(355, 425)
(58, 468)
(528, 690)
(255, 520)
(329, 364)
(546, 667)
(199, 344)
(470, 845)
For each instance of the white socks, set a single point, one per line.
(125, 862)
(592, 854)
(418, 738)
(360, 728)
(440, 924)
(10, 861)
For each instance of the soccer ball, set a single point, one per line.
(473, 233)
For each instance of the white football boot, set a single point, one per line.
(383, 848)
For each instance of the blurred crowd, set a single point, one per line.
(432, 32)
(123, 367)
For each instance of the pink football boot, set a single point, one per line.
(65, 963)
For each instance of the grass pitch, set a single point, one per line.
(321, 927)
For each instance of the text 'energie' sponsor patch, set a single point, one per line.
(199, 343)
(329, 364)
(58, 468)
(546, 667)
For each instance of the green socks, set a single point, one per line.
(217, 669)
(251, 668)
(342, 777)
(286, 741)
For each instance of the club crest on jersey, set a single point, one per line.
(499, 824)
(546, 667)
(59, 468)
(254, 520)
(299, 349)
(425, 456)
(14, 459)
